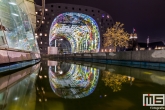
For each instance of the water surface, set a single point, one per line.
(86, 86)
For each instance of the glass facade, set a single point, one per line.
(16, 31)
(79, 29)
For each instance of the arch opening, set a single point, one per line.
(80, 30)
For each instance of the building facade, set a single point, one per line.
(17, 40)
(99, 18)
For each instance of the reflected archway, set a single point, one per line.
(73, 81)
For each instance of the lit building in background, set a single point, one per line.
(133, 42)
(72, 28)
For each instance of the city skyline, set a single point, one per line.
(147, 17)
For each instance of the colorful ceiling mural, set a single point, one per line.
(79, 29)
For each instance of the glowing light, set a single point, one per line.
(60, 72)
(40, 100)
(16, 98)
(15, 14)
(40, 77)
(12, 3)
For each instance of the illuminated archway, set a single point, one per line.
(79, 29)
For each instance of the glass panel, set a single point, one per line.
(2, 99)
(15, 25)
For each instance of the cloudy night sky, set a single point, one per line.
(146, 16)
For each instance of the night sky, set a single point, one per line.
(146, 16)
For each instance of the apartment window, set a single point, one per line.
(46, 9)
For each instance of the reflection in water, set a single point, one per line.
(73, 81)
(115, 80)
(19, 95)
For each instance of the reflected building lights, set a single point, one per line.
(40, 77)
(16, 98)
(40, 100)
(69, 83)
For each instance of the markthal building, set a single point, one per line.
(17, 40)
(72, 28)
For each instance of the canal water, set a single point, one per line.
(57, 85)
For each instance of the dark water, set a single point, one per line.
(82, 86)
